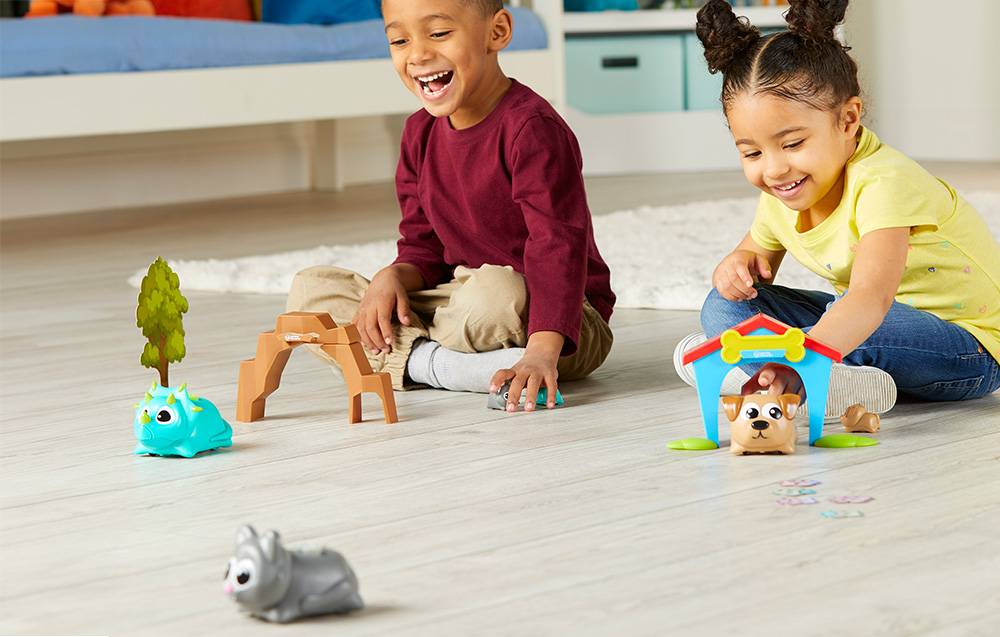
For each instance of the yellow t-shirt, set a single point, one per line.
(953, 265)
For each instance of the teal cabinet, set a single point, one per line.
(702, 89)
(625, 74)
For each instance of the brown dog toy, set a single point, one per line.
(857, 420)
(761, 423)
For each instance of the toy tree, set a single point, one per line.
(158, 315)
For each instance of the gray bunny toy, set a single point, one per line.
(273, 583)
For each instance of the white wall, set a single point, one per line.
(931, 71)
(71, 175)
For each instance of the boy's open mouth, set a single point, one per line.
(435, 84)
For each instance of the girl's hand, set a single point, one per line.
(536, 367)
(776, 380)
(386, 296)
(735, 276)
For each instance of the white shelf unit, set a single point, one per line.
(658, 20)
(682, 141)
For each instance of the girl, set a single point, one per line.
(914, 266)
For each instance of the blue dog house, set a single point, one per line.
(762, 339)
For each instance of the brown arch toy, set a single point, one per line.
(261, 375)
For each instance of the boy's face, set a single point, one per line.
(793, 151)
(441, 49)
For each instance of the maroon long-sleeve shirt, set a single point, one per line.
(507, 191)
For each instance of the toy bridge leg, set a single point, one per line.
(816, 380)
(709, 372)
(359, 376)
(260, 376)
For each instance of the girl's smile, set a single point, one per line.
(789, 190)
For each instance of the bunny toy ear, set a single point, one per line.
(270, 545)
(244, 533)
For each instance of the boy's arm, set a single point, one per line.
(875, 276)
(547, 184)
(418, 244)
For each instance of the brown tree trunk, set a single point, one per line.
(162, 368)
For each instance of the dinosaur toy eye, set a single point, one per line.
(165, 416)
(751, 412)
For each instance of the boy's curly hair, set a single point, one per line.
(806, 63)
(488, 8)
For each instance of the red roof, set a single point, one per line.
(755, 323)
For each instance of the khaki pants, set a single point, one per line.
(479, 310)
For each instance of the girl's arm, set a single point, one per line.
(878, 269)
(749, 263)
(773, 257)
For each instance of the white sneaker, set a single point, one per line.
(732, 384)
(849, 384)
(858, 384)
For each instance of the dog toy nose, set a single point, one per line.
(760, 425)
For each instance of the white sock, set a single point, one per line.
(431, 364)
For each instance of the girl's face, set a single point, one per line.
(794, 151)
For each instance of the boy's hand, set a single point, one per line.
(735, 275)
(386, 295)
(775, 379)
(536, 367)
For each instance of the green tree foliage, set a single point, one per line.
(158, 315)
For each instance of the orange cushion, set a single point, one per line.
(221, 9)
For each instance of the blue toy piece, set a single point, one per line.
(498, 399)
(543, 397)
(172, 422)
(762, 339)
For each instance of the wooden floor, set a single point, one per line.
(458, 520)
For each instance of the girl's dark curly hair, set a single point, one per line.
(806, 63)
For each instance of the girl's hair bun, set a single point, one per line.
(724, 35)
(816, 20)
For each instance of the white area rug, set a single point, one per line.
(660, 257)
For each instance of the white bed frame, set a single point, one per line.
(36, 108)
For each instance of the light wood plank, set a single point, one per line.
(459, 520)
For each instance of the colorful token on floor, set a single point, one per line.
(793, 491)
(801, 482)
(843, 514)
(851, 499)
(796, 501)
(845, 441)
(692, 444)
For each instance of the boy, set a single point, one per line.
(497, 277)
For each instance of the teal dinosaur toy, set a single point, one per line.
(172, 422)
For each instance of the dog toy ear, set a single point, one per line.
(732, 406)
(789, 404)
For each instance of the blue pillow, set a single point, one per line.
(320, 11)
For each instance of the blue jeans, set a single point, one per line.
(928, 358)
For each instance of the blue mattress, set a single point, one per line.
(70, 45)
